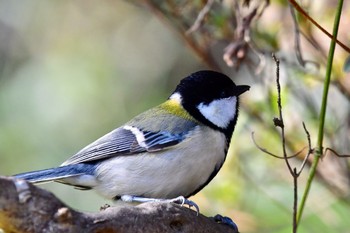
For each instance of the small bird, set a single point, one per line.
(169, 152)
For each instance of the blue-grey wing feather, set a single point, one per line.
(160, 140)
(123, 142)
(164, 130)
(119, 141)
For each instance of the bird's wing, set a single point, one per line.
(165, 129)
(125, 141)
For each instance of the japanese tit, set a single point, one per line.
(172, 150)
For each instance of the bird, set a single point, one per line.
(169, 152)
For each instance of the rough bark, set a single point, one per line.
(27, 208)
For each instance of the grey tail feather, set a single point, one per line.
(54, 174)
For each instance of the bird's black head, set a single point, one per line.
(212, 98)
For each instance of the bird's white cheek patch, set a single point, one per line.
(219, 112)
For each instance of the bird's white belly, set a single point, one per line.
(177, 171)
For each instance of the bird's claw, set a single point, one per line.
(104, 207)
(177, 200)
(183, 201)
(227, 221)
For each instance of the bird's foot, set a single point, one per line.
(183, 201)
(178, 200)
(104, 207)
(227, 221)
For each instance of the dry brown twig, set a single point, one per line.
(272, 154)
(296, 37)
(236, 51)
(336, 153)
(314, 22)
(200, 18)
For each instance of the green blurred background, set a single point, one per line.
(71, 71)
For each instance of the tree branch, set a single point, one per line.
(27, 208)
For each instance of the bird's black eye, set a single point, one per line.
(225, 94)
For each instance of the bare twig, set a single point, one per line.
(295, 203)
(309, 38)
(311, 150)
(263, 149)
(297, 33)
(237, 50)
(272, 154)
(267, 3)
(202, 51)
(200, 18)
(262, 60)
(296, 36)
(336, 153)
(279, 122)
(301, 10)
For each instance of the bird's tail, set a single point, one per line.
(56, 174)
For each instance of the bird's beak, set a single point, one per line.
(241, 89)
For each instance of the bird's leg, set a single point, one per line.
(178, 200)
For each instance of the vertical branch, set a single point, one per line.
(295, 203)
(319, 149)
(279, 122)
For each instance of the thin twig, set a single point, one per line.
(301, 10)
(267, 3)
(315, 44)
(236, 51)
(262, 60)
(297, 33)
(202, 51)
(296, 36)
(263, 149)
(309, 152)
(200, 18)
(272, 154)
(295, 203)
(336, 153)
(279, 122)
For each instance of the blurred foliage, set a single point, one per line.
(70, 71)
